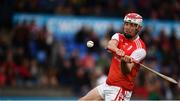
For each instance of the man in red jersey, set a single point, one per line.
(126, 48)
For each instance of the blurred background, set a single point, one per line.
(43, 53)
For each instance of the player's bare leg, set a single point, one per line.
(92, 95)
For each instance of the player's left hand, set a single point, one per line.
(127, 58)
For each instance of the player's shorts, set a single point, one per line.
(113, 93)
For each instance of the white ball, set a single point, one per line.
(90, 43)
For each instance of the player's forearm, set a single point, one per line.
(112, 47)
(126, 67)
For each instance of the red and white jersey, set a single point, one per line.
(133, 48)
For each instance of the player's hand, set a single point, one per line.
(120, 52)
(127, 58)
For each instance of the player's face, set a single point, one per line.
(131, 28)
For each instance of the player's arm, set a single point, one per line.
(112, 46)
(127, 61)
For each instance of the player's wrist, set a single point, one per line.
(127, 59)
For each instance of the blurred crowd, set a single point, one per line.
(29, 55)
(150, 9)
(155, 9)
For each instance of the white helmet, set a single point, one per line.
(134, 18)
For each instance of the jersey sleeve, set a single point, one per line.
(115, 37)
(138, 54)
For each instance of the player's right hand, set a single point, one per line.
(120, 52)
